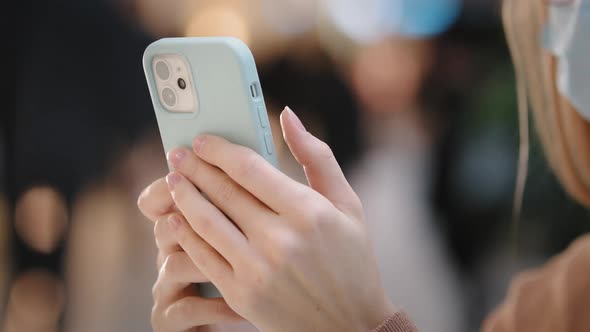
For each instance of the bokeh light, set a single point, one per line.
(219, 20)
(420, 18)
(164, 18)
(41, 218)
(369, 21)
(290, 17)
(101, 257)
(363, 21)
(36, 303)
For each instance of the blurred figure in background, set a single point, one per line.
(394, 180)
(389, 49)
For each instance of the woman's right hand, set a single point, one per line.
(177, 305)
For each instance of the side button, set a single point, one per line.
(263, 117)
(269, 143)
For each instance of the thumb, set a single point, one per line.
(321, 168)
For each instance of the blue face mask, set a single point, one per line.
(567, 36)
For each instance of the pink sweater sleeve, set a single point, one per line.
(400, 322)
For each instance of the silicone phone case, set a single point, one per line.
(223, 72)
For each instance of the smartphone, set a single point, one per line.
(207, 85)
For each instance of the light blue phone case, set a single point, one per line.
(223, 72)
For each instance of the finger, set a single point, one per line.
(165, 238)
(179, 269)
(160, 260)
(155, 200)
(250, 170)
(237, 203)
(177, 274)
(190, 312)
(321, 167)
(210, 262)
(205, 219)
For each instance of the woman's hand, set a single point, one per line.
(177, 305)
(285, 256)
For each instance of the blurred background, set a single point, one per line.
(416, 97)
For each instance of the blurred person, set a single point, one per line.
(287, 268)
(393, 179)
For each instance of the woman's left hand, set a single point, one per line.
(285, 256)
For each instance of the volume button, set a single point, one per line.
(263, 117)
(268, 142)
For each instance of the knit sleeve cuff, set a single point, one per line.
(400, 322)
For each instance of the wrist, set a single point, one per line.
(378, 313)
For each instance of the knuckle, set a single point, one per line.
(321, 214)
(205, 225)
(182, 236)
(193, 170)
(155, 319)
(326, 224)
(160, 260)
(324, 151)
(142, 200)
(146, 200)
(183, 309)
(249, 163)
(160, 230)
(522, 285)
(225, 191)
(303, 196)
(219, 309)
(172, 266)
(313, 213)
(325, 218)
(309, 218)
(288, 247)
(307, 202)
(156, 291)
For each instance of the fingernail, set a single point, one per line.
(198, 143)
(172, 179)
(174, 221)
(295, 118)
(176, 156)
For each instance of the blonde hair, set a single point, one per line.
(564, 134)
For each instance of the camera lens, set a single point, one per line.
(169, 97)
(162, 70)
(181, 84)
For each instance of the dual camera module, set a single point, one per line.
(173, 82)
(163, 71)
